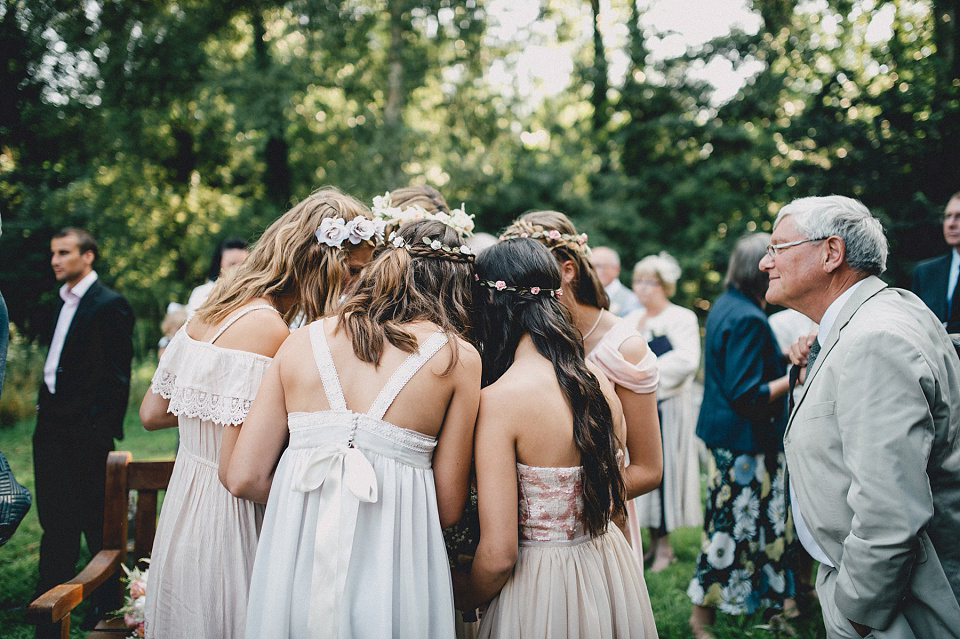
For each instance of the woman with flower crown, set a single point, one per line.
(548, 458)
(362, 436)
(208, 376)
(611, 343)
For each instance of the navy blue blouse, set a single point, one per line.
(741, 358)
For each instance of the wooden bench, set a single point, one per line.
(51, 610)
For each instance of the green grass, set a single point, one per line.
(18, 558)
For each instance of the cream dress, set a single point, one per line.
(206, 538)
(567, 584)
(351, 544)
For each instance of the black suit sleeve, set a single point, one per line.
(113, 324)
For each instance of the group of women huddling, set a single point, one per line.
(421, 370)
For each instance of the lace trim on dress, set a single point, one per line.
(208, 382)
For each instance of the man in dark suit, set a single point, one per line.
(83, 399)
(935, 280)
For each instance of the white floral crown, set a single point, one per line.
(457, 219)
(464, 251)
(500, 285)
(334, 231)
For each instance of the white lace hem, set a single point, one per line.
(205, 406)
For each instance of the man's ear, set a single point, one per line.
(835, 254)
(88, 257)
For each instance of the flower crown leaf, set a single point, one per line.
(552, 237)
(398, 242)
(500, 285)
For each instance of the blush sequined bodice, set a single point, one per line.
(551, 503)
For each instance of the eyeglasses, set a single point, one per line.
(774, 249)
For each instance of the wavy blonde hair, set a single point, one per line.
(288, 262)
(586, 285)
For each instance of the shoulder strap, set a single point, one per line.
(405, 372)
(325, 366)
(233, 319)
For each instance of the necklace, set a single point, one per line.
(594, 327)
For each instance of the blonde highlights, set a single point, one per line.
(288, 263)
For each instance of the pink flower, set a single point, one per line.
(554, 234)
(534, 289)
(559, 292)
(138, 589)
(582, 239)
(500, 285)
(524, 235)
(476, 277)
(129, 621)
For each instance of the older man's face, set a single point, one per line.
(795, 271)
(951, 223)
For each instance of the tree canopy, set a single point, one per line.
(163, 126)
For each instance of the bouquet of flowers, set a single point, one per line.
(132, 610)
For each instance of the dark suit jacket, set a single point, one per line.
(741, 358)
(930, 284)
(93, 376)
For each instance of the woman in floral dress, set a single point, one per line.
(748, 547)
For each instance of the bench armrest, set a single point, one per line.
(55, 604)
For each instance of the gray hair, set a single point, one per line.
(743, 272)
(846, 218)
(664, 267)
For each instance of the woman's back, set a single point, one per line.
(351, 540)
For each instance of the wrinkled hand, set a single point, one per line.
(800, 349)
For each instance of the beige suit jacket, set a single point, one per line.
(873, 452)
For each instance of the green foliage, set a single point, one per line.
(165, 126)
(21, 381)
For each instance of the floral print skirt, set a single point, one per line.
(749, 545)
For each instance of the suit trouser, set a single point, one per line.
(70, 466)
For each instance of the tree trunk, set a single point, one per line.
(277, 176)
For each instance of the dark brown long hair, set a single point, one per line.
(403, 285)
(586, 285)
(504, 317)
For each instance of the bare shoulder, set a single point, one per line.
(634, 349)
(261, 331)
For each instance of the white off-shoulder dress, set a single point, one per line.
(351, 543)
(566, 584)
(206, 538)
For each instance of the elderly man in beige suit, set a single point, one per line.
(872, 445)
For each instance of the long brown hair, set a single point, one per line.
(504, 317)
(413, 283)
(289, 261)
(586, 285)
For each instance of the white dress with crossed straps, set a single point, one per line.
(351, 543)
(206, 538)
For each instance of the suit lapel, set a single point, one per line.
(942, 279)
(870, 287)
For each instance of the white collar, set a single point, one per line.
(80, 288)
(830, 315)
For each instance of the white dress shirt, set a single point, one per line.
(803, 533)
(71, 300)
(952, 277)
